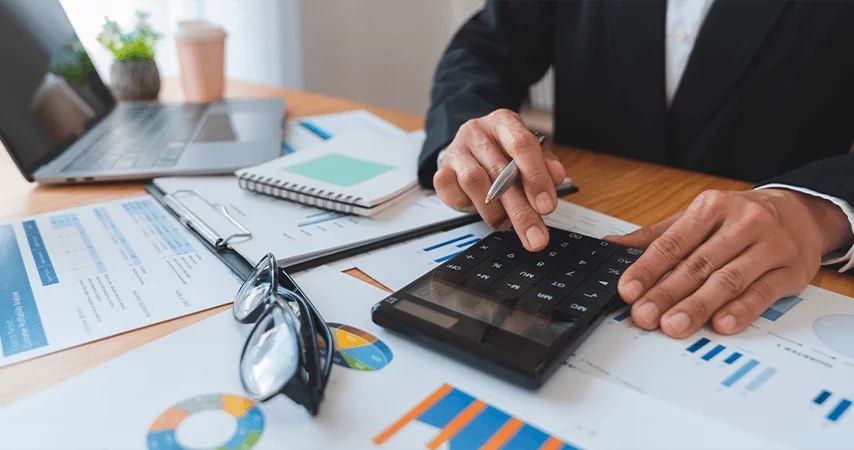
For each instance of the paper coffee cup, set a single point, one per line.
(201, 55)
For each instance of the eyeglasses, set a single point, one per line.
(286, 351)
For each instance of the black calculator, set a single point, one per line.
(513, 313)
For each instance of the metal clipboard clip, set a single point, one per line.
(191, 220)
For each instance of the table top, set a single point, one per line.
(634, 191)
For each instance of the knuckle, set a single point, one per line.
(641, 271)
(522, 140)
(698, 309)
(732, 280)
(755, 214)
(443, 178)
(708, 203)
(505, 114)
(670, 245)
(495, 169)
(537, 179)
(471, 176)
(761, 291)
(518, 213)
(699, 266)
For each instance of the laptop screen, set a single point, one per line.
(50, 92)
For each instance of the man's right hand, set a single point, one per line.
(481, 149)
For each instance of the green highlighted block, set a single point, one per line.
(339, 170)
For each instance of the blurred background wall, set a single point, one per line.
(380, 52)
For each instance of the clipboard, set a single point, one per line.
(220, 245)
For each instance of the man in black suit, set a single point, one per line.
(759, 91)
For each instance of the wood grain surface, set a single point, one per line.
(634, 191)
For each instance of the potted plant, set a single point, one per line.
(134, 72)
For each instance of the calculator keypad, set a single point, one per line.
(575, 274)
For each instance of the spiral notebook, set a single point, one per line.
(359, 173)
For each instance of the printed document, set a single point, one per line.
(384, 393)
(78, 275)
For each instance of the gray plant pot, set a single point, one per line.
(136, 80)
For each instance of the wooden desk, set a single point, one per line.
(638, 192)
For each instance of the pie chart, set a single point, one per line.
(837, 331)
(358, 349)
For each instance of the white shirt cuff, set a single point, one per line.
(838, 256)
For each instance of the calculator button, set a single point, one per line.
(470, 257)
(563, 281)
(607, 284)
(609, 271)
(579, 262)
(540, 263)
(574, 307)
(621, 259)
(568, 236)
(489, 271)
(455, 267)
(631, 254)
(597, 249)
(540, 301)
(511, 254)
(589, 293)
(511, 286)
(527, 274)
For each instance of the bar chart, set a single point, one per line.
(711, 352)
(781, 307)
(447, 249)
(321, 217)
(834, 409)
(465, 422)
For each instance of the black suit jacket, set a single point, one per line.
(767, 94)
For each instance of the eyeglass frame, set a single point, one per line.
(308, 389)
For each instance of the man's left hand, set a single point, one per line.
(728, 257)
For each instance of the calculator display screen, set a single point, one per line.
(439, 293)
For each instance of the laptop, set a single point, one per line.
(61, 124)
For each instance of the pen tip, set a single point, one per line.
(489, 198)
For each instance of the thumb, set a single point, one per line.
(642, 237)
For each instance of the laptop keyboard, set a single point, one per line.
(140, 137)
(575, 274)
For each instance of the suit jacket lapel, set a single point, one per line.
(635, 32)
(728, 39)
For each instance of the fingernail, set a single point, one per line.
(678, 322)
(648, 313)
(544, 203)
(536, 237)
(631, 291)
(727, 324)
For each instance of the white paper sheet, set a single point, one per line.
(117, 404)
(78, 275)
(295, 232)
(769, 379)
(397, 266)
(303, 132)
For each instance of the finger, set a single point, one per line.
(691, 273)
(555, 167)
(449, 190)
(674, 244)
(475, 183)
(487, 152)
(518, 142)
(759, 296)
(724, 285)
(642, 237)
(528, 223)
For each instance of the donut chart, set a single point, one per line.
(250, 421)
(359, 350)
(837, 331)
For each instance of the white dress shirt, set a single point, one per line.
(684, 19)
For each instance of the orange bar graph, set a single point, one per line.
(414, 413)
(453, 427)
(503, 434)
(552, 443)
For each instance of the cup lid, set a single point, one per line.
(199, 30)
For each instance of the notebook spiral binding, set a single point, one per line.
(304, 195)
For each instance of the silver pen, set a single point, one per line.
(507, 177)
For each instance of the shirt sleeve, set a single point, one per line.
(843, 255)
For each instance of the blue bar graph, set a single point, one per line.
(713, 352)
(763, 377)
(733, 358)
(326, 217)
(741, 372)
(839, 410)
(467, 243)
(448, 242)
(47, 273)
(624, 315)
(781, 307)
(698, 345)
(446, 257)
(104, 216)
(315, 129)
(70, 220)
(821, 398)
